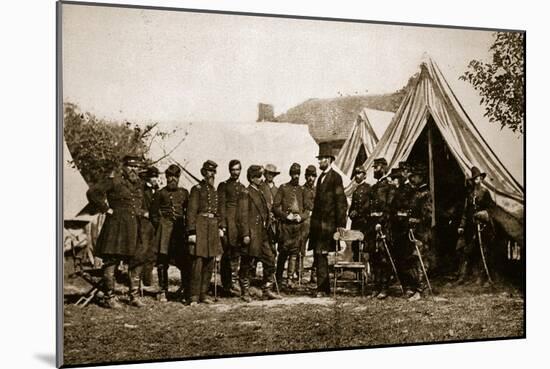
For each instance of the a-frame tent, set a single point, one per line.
(432, 126)
(362, 140)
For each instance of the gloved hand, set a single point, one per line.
(192, 238)
(460, 231)
(221, 232)
(298, 218)
(378, 228)
(246, 240)
(110, 211)
(290, 217)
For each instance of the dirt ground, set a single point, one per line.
(297, 322)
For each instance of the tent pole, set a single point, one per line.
(431, 169)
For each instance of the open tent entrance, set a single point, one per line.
(449, 192)
(448, 183)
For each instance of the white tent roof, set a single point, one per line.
(432, 96)
(74, 189)
(364, 134)
(280, 144)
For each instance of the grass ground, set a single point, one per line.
(297, 322)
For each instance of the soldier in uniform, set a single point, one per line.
(309, 197)
(120, 197)
(328, 216)
(205, 228)
(476, 214)
(421, 225)
(252, 223)
(228, 195)
(289, 210)
(359, 208)
(150, 187)
(380, 198)
(400, 212)
(168, 216)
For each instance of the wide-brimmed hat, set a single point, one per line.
(271, 168)
(477, 173)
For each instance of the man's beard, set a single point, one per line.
(294, 181)
(172, 185)
(378, 174)
(209, 180)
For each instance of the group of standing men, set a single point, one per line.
(263, 223)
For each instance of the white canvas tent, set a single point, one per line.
(361, 142)
(74, 189)
(252, 143)
(432, 103)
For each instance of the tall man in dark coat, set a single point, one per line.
(252, 223)
(168, 211)
(205, 227)
(359, 208)
(476, 213)
(229, 193)
(289, 210)
(309, 197)
(120, 197)
(328, 216)
(380, 198)
(150, 187)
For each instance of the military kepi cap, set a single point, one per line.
(295, 168)
(404, 165)
(311, 171)
(209, 165)
(360, 169)
(380, 161)
(172, 171)
(395, 173)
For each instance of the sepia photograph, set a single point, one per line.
(236, 184)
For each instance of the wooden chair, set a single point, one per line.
(359, 267)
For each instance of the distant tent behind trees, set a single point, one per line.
(431, 126)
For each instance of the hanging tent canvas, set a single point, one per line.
(432, 126)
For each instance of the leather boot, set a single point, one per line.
(462, 272)
(290, 271)
(267, 289)
(110, 301)
(245, 292)
(135, 300)
(235, 288)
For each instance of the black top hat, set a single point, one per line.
(325, 151)
(477, 173)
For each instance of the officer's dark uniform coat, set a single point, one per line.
(228, 196)
(204, 219)
(119, 235)
(252, 218)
